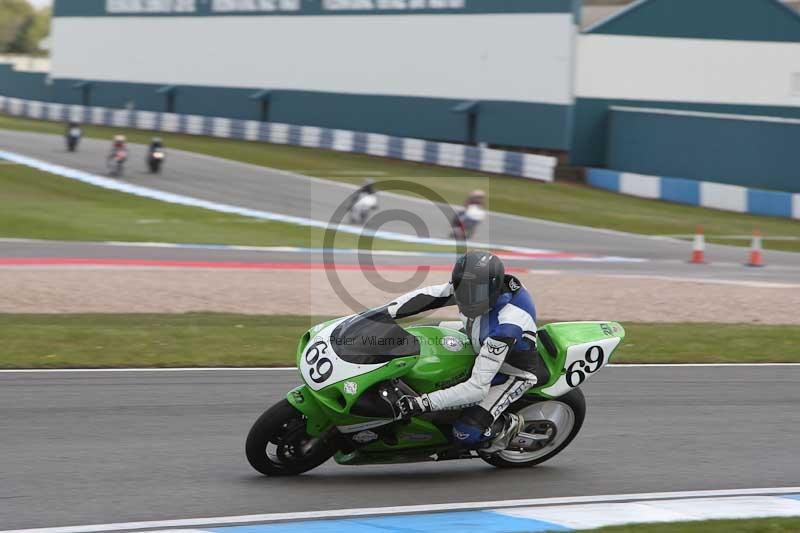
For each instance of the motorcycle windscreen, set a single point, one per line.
(352, 347)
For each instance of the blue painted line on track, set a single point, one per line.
(463, 522)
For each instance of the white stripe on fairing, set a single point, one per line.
(723, 196)
(640, 185)
(383, 511)
(294, 369)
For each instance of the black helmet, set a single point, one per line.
(478, 282)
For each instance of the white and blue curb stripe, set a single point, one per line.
(700, 193)
(546, 518)
(462, 522)
(536, 167)
(515, 516)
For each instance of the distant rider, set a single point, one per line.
(499, 316)
(156, 145)
(118, 145)
(476, 197)
(367, 189)
(363, 202)
(471, 215)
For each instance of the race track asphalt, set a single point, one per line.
(100, 447)
(262, 188)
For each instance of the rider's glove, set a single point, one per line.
(408, 406)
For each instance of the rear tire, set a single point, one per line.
(283, 428)
(571, 405)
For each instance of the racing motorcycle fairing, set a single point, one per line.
(346, 363)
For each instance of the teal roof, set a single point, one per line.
(738, 20)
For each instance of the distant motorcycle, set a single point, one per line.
(116, 161)
(363, 208)
(73, 137)
(467, 221)
(155, 160)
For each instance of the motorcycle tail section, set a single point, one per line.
(575, 351)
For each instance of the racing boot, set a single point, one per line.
(504, 429)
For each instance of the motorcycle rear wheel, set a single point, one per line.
(278, 444)
(563, 416)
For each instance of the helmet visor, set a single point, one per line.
(472, 293)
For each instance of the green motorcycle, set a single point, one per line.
(355, 368)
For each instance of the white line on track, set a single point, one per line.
(289, 368)
(383, 511)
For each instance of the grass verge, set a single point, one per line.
(561, 202)
(210, 339)
(37, 205)
(760, 525)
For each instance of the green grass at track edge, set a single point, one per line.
(230, 340)
(757, 525)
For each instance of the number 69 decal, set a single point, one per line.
(319, 368)
(579, 370)
(582, 362)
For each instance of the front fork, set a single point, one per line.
(305, 402)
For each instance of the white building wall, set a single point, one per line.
(520, 57)
(688, 70)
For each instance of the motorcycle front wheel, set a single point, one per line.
(279, 445)
(558, 420)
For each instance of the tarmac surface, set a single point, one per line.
(256, 187)
(100, 447)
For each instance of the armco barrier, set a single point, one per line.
(530, 166)
(700, 193)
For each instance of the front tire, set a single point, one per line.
(564, 416)
(278, 444)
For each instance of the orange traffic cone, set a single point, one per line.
(756, 259)
(699, 247)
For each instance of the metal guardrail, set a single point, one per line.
(536, 167)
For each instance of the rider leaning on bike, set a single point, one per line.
(499, 317)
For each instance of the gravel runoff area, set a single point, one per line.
(561, 296)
